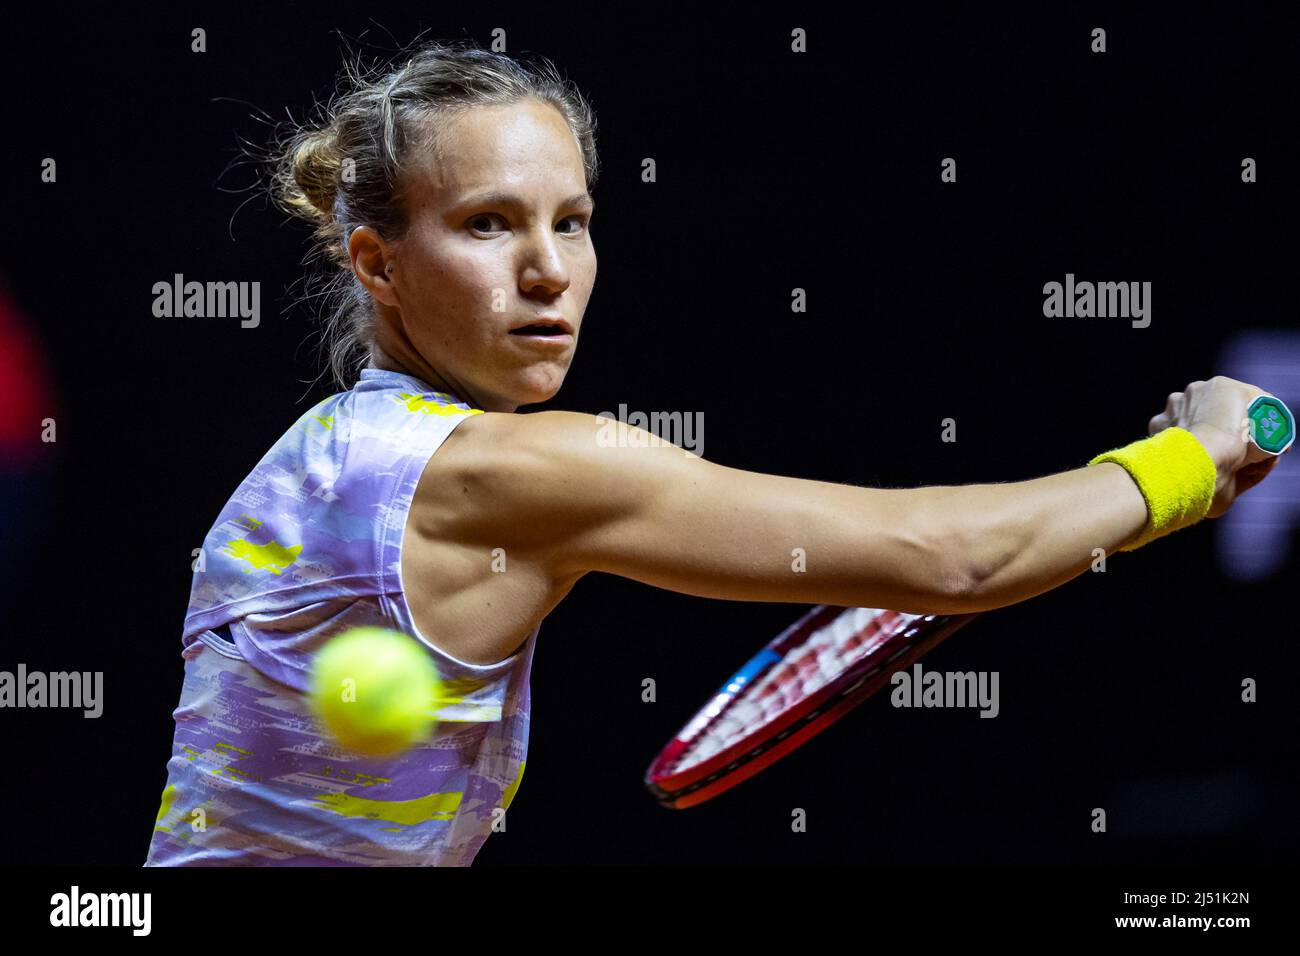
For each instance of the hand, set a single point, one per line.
(1215, 412)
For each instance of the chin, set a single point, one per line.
(536, 388)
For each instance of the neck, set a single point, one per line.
(404, 359)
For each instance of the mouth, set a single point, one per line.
(550, 327)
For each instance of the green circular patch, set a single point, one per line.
(1272, 424)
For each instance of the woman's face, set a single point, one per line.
(499, 238)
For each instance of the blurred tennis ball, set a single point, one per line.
(375, 690)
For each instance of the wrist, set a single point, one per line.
(1177, 474)
(1222, 448)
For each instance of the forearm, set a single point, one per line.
(1013, 541)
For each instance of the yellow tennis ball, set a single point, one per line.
(375, 690)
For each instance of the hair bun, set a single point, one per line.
(316, 164)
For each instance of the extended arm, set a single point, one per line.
(545, 484)
(703, 529)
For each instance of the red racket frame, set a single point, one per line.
(796, 726)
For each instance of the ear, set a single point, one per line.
(372, 263)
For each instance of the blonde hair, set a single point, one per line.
(348, 169)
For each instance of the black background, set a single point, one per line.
(820, 171)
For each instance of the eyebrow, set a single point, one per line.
(510, 199)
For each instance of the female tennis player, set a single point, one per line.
(452, 200)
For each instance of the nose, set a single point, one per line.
(544, 265)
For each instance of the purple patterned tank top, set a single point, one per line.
(308, 546)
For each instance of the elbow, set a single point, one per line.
(960, 588)
(965, 574)
(980, 549)
(980, 571)
(940, 578)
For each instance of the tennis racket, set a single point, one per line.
(809, 676)
(820, 668)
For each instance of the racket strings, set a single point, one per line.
(806, 668)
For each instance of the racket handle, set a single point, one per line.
(1271, 424)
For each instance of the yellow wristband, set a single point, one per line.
(1176, 476)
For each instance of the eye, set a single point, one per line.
(483, 217)
(581, 221)
(482, 222)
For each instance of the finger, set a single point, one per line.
(1158, 423)
(1251, 475)
(1257, 456)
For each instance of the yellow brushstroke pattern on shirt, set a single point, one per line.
(416, 403)
(456, 689)
(468, 713)
(509, 795)
(272, 556)
(433, 806)
(164, 808)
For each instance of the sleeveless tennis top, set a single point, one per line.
(308, 546)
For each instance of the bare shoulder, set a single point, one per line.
(480, 509)
(494, 463)
(540, 480)
(516, 440)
